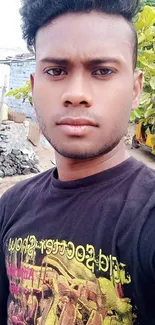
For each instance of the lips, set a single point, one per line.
(77, 122)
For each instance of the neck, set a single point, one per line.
(70, 169)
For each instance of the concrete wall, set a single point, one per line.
(19, 74)
(4, 73)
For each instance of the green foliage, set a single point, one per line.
(145, 25)
(150, 3)
(23, 93)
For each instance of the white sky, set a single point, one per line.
(10, 31)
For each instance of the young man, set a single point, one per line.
(77, 242)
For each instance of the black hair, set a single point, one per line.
(38, 13)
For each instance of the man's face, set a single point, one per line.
(84, 86)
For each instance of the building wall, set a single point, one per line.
(19, 74)
(4, 77)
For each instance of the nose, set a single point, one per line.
(77, 94)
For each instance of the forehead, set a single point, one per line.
(82, 35)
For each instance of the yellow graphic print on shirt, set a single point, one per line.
(54, 283)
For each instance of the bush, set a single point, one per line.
(23, 93)
(145, 25)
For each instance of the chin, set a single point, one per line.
(81, 154)
(81, 150)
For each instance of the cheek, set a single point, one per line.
(118, 98)
(46, 100)
(117, 105)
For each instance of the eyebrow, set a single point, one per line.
(54, 60)
(96, 61)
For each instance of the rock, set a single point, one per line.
(25, 159)
(9, 171)
(20, 157)
(24, 164)
(3, 147)
(26, 123)
(5, 164)
(1, 180)
(34, 170)
(17, 155)
(2, 150)
(16, 152)
(40, 170)
(25, 151)
(1, 174)
(3, 137)
(26, 171)
(35, 160)
(1, 158)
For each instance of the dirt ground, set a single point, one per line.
(46, 156)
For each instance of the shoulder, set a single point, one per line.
(143, 169)
(143, 180)
(26, 188)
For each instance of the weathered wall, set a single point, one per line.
(19, 74)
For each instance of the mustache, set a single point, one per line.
(77, 114)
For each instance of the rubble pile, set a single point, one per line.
(18, 163)
(16, 152)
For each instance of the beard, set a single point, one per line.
(84, 155)
(80, 152)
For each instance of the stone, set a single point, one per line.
(34, 170)
(1, 174)
(20, 157)
(1, 180)
(24, 164)
(35, 160)
(17, 155)
(25, 151)
(9, 171)
(2, 149)
(40, 170)
(1, 158)
(16, 152)
(26, 123)
(3, 137)
(5, 164)
(26, 171)
(25, 159)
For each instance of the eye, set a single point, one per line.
(56, 72)
(103, 72)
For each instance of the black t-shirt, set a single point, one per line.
(79, 252)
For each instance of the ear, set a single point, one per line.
(32, 77)
(137, 89)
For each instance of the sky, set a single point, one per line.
(10, 31)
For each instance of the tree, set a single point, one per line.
(145, 25)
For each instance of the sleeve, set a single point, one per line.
(4, 282)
